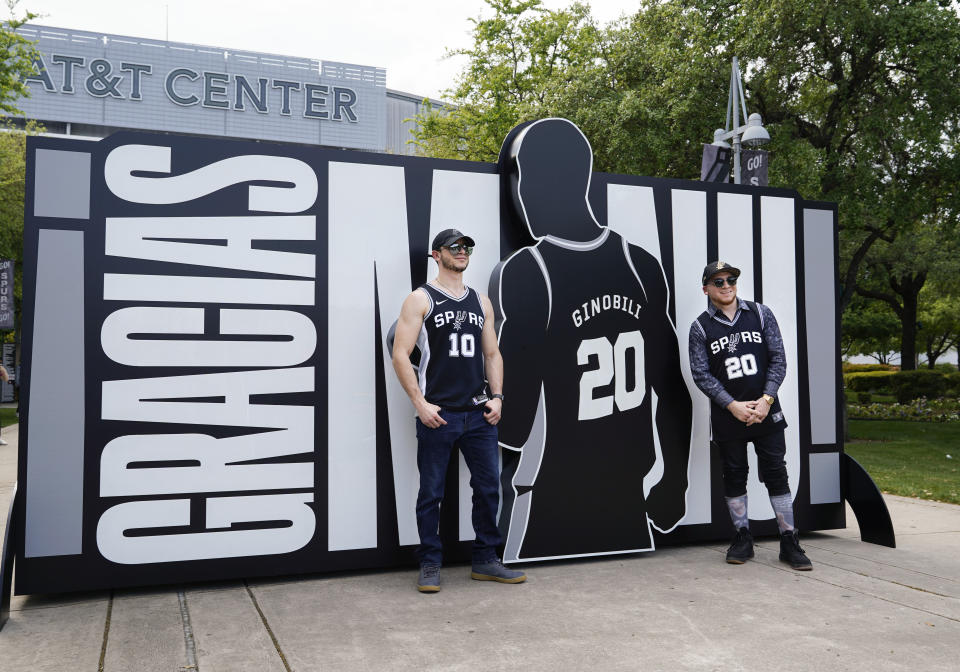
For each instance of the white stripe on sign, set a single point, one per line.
(367, 225)
(779, 264)
(735, 238)
(689, 258)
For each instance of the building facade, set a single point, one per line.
(93, 84)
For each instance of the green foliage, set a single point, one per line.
(915, 275)
(847, 367)
(861, 98)
(8, 416)
(13, 144)
(909, 458)
(520, 56)
(655, 94)
(953, 384)
(643, 97)
(946, 409)
(869, 328)
(869, 381)
(938, 318)
(864, 83)
(910, 385)
(904, 385)
(16, 60)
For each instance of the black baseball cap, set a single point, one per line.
(715, 267)
(449, 237)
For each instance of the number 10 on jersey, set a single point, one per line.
(612, 360)
(462, 345)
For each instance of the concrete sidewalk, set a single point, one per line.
(864, 607)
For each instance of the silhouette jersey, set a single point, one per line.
(587, 338)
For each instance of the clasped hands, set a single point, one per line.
(750, 412)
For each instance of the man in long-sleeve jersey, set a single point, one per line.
(737, 359)
(452, 325)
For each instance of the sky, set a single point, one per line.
(409, 40)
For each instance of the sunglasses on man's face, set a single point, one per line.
(718, 282)
(456, 247)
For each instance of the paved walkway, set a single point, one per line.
(864, 607)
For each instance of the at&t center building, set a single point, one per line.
(92, 84)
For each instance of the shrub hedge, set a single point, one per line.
(857, 368)
(918, 410)
(910, 385)
(905, 385)
(869, 381)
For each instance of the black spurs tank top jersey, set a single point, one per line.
(451, 361)
(597, 400)
(738, 359)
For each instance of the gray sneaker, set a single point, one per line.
(429, 579)
(493, 570)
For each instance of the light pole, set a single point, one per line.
(752, 134)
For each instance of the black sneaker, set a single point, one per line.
(429, 579)
(741, 549)
(791, 553)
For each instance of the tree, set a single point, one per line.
(862, 99)
(896, 272)
(528, 62)
(519, 54)
(13, 144)
(652, 95)
(869, 328)
(17, 56)
(16, 61)
(938, 327)
(866, 86)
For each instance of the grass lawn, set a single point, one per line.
(8, 416)
(909, 458)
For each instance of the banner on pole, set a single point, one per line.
(753, 168)
(6, 293)
(715, 166)
(9, 360)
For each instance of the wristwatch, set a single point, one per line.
(497, 396)
(767, 398)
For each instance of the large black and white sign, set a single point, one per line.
(206, 320)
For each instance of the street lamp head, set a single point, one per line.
(756, 134)
(718, 138)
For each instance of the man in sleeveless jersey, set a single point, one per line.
(596, 387)
(737, 359)
(453, 327)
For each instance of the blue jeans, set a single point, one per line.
(477, 440)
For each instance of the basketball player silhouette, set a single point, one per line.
(595, 385)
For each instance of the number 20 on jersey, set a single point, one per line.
(612, 365)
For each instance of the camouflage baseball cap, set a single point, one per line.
(715, 267)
